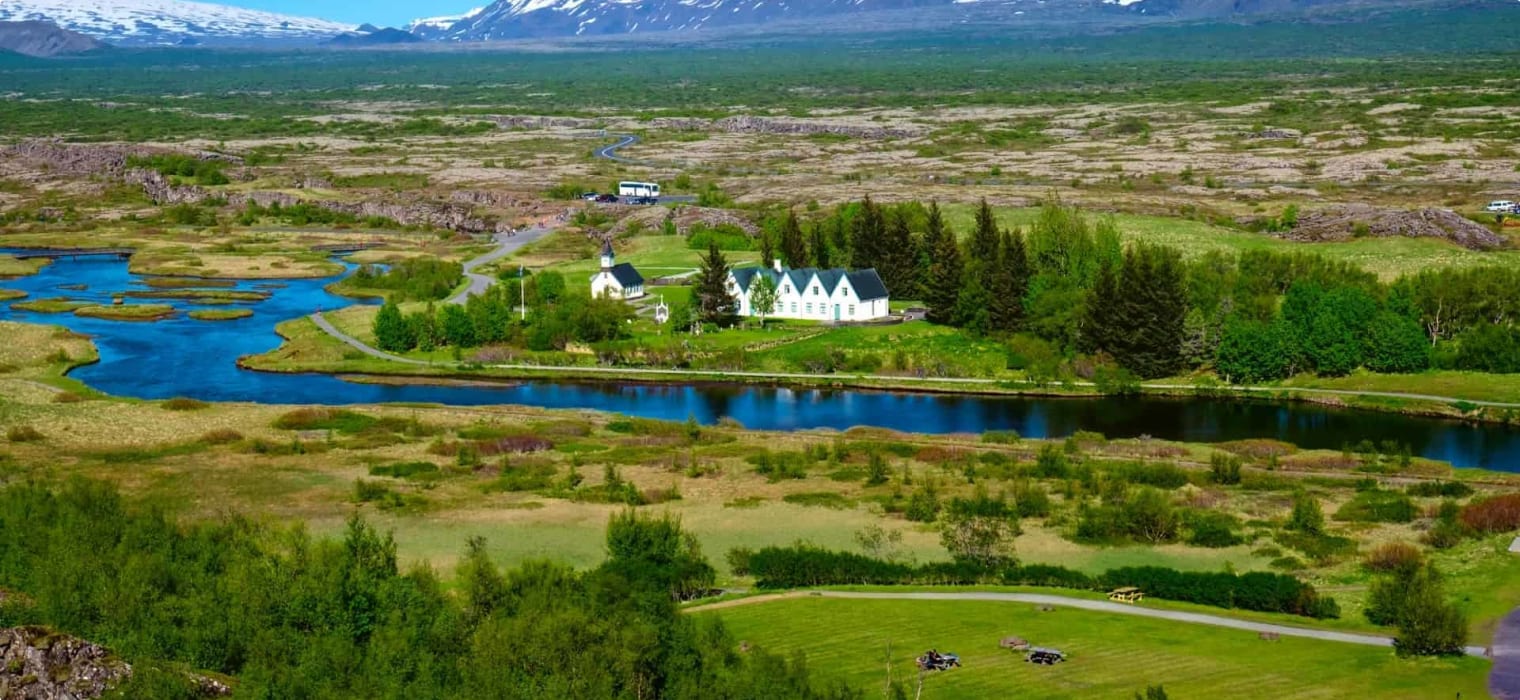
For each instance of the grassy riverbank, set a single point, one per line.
(1109, 655)
(308, 349)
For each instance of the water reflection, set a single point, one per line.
(185, 357)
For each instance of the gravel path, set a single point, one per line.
(1504, 679)
(1100, 606)
(506, 244)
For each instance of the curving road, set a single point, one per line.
(1098, 606)
(610, 152)
(506, 244)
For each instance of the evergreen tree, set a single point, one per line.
(794, 252)
(942, 289)
(767, 249)
(1008, 282)
(1100, 318)
(714, 302)
(391, 331)
(820, 248)
(896, 261)
(985, 240)
(867, 233)
(1153, 301)
(973, 306)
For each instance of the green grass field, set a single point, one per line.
(1387, 257)
(1111, 656)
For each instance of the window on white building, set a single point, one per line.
(810, 307)
(852, 309)
(786, 289)
(794, 307)
(815, 290)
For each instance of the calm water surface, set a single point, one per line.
(185, 357)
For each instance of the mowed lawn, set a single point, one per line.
(1110, 655)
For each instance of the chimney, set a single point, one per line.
(776, 264)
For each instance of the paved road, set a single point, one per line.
(1099, 606)
(1504, 679)
(610, 152)
(506, 244)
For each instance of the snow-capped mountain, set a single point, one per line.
(518, 19)
(435, 27)
(167, 22)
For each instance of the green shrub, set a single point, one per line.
(1001, 437)
(416, 471)
(1443, 489)
(824, 499)
(1378, 506)
(23, 433)
(183, 404)
(1208, 528)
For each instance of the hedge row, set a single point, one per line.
(801, 566)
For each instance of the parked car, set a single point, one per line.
(1501, 206)
(589, 196)
(1047, 657)
(607, 198)
(644, 200)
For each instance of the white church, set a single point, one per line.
(836, 295)
(619, 281)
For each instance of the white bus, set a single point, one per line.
(638, 189)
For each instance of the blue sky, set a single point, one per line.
(379, 12)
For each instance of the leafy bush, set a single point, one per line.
(823, 499)
(1393, 557)
(1158, 474)
(1496, 514)
(1378, 506)
(415, 279)
(1443, 489)
(1208, 528)
(23, 433)
(419, 470)
(221, 436)
(1001, 437)
(181, 403)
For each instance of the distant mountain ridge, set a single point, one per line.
(536, 19)
(43, 39)
(170, 22)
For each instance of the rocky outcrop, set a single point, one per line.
(1361, 220)
(69, 158)
(653, 219)
(526, 122)
(741, 124)
(747, 124)
(39, 664)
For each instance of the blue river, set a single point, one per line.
(186, 357)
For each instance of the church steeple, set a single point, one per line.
(607, 256)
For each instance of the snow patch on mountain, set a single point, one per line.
(443, 22)
(162, 22)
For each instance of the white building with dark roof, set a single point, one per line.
(836, 295)
(616, 280)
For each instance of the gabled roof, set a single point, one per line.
(866, 283)
(626, 275)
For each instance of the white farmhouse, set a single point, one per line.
(813, 294)
(619, 281)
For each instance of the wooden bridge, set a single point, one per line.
(70, 253)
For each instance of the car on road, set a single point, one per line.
(589, 196)
(644, 200)
(607, 198)
(1501, 206)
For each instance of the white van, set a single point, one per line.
(1501, 206)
